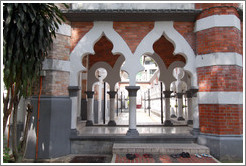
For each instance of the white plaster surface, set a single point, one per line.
(219, 58)
(220, 97)
(180, 44)
(54, 64)
(86, 44)
(217, 21)
(133, 5)
(64, 29)
(195, 109)
(112, 73)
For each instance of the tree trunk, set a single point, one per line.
(14, 130)
(23, 143)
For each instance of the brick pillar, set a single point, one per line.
(220, 73)
(55, 121)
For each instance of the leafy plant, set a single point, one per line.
(28, 32)
(6, 155)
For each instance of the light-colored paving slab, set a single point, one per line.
(169, 148)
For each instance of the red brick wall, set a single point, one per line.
(186, 29)
(220, 78)
(55, 83)
(79, 29)
(60, 48)
(133, 32)
(164, 49)
(221, 119)
(209, 5)
(210, 9)
(103, 53)
(218, 39)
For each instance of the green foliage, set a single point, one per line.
(27, 34)
(6, 156)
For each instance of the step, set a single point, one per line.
(164, 148)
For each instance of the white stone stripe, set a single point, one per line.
(219, 58)
(220, 98)
(217, 21)
(54, 64)
(64, 29)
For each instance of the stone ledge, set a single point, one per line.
(160, 148)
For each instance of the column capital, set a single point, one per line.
(112, 94)
(89, 94)
(179, 95)
(167, 93)
(132, 90)
(73, 90)
(189, 94)
(194, 92)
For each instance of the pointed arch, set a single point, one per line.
(181, 46)
(86, 44)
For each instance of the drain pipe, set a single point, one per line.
(40, 89)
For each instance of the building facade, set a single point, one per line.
(204, 39)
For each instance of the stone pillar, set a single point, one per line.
(132, 90)
(189, 106)
(90, 111)
(180, 107)
(167, 121)
(112, 108)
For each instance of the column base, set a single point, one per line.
(111, 123)
(89, 123)
(190, 122)
(132, 132)
(181, 118)
(195, 131)
(173, 116)
(73, 132)
(168, 123)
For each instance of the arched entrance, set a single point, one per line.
(94, 43)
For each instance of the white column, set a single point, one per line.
(132, 131)
(90, 103)
(167, 121)
(180, 107)
(196, 126)
(112, 108)
(73, 93)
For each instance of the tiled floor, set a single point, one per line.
(121, 158)
(143, 120)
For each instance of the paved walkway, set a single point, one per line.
(146, 125)
(143, 118)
